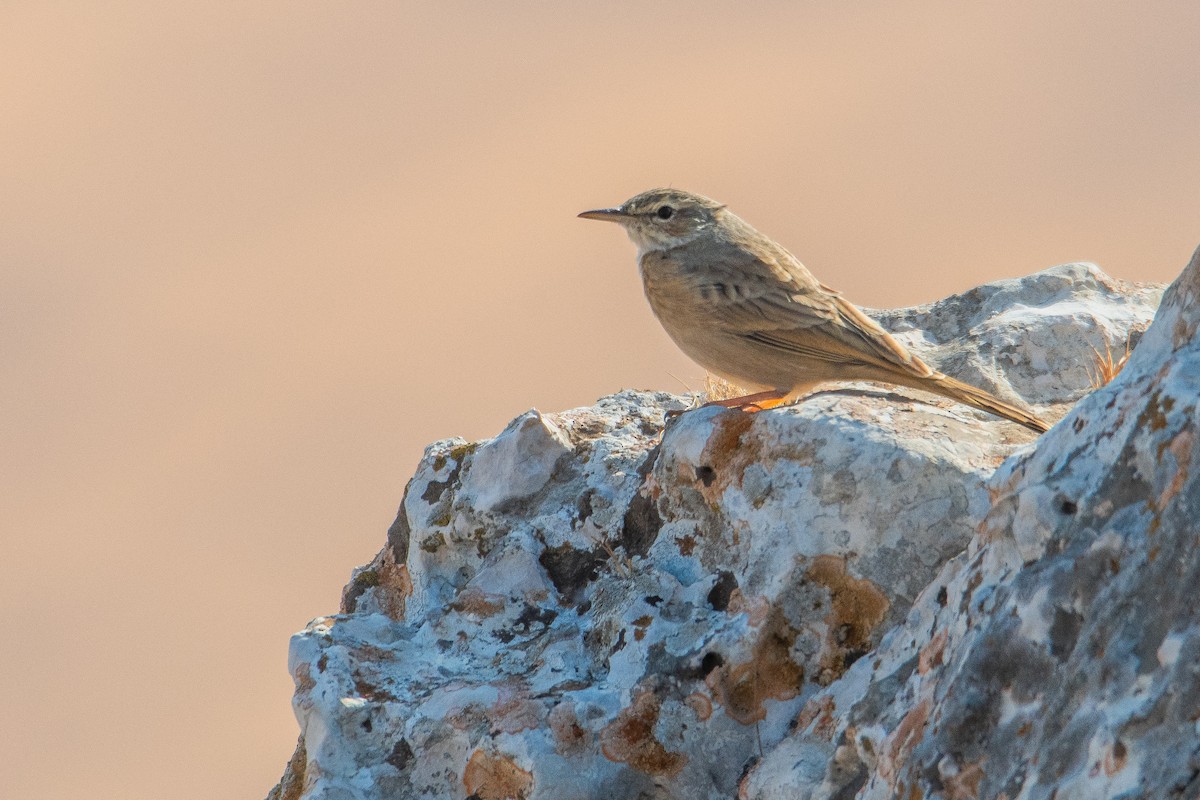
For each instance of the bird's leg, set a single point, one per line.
(750, 403)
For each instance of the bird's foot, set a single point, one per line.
(752, 403)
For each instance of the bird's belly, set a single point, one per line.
(729, 355)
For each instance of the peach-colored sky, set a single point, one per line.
(254, 256)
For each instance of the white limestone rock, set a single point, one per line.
(590, 605)
(516, 464)
(1036, 338)
(1059, 657)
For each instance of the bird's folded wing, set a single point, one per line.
(781, 305)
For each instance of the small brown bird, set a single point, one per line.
(746, 309)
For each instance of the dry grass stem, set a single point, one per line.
(622, 565)
(718, 389)
(1106, 367)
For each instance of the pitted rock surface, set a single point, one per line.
(1059, 657)
(595, 604)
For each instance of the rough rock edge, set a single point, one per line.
(385, 575)
(1045, 661)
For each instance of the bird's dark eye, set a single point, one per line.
(665, 212)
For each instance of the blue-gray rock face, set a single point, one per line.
(841, 597)
(1059, 657)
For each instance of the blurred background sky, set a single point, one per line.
(254, 256)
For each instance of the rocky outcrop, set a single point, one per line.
(857, 595)
(1059, 656)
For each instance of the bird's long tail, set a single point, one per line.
(978, 398)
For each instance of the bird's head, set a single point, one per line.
(661, 219)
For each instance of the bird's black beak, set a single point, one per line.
(607, 214)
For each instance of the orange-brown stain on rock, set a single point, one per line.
(570, 738)
(1115, 758)
(756, 607)
(390, 582)
(291, 785)
(700, 704)
(366, 688)
(932, 653)
(1181, 448)
(475, 603)
(858, 606)
(1183, 332)
(640, 625)
(686, 544)
(1154, 415)
(820, 711)
(770, 674)
(725, 454)
(908, 734)
(496, 777)
(515, 710)
(303, 678)
(964, 785)
(630, 739)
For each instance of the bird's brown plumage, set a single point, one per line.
(746, 309)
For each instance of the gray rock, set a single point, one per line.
(590, 605)
(1036, 338)
(515, 465)
(1059, 657)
